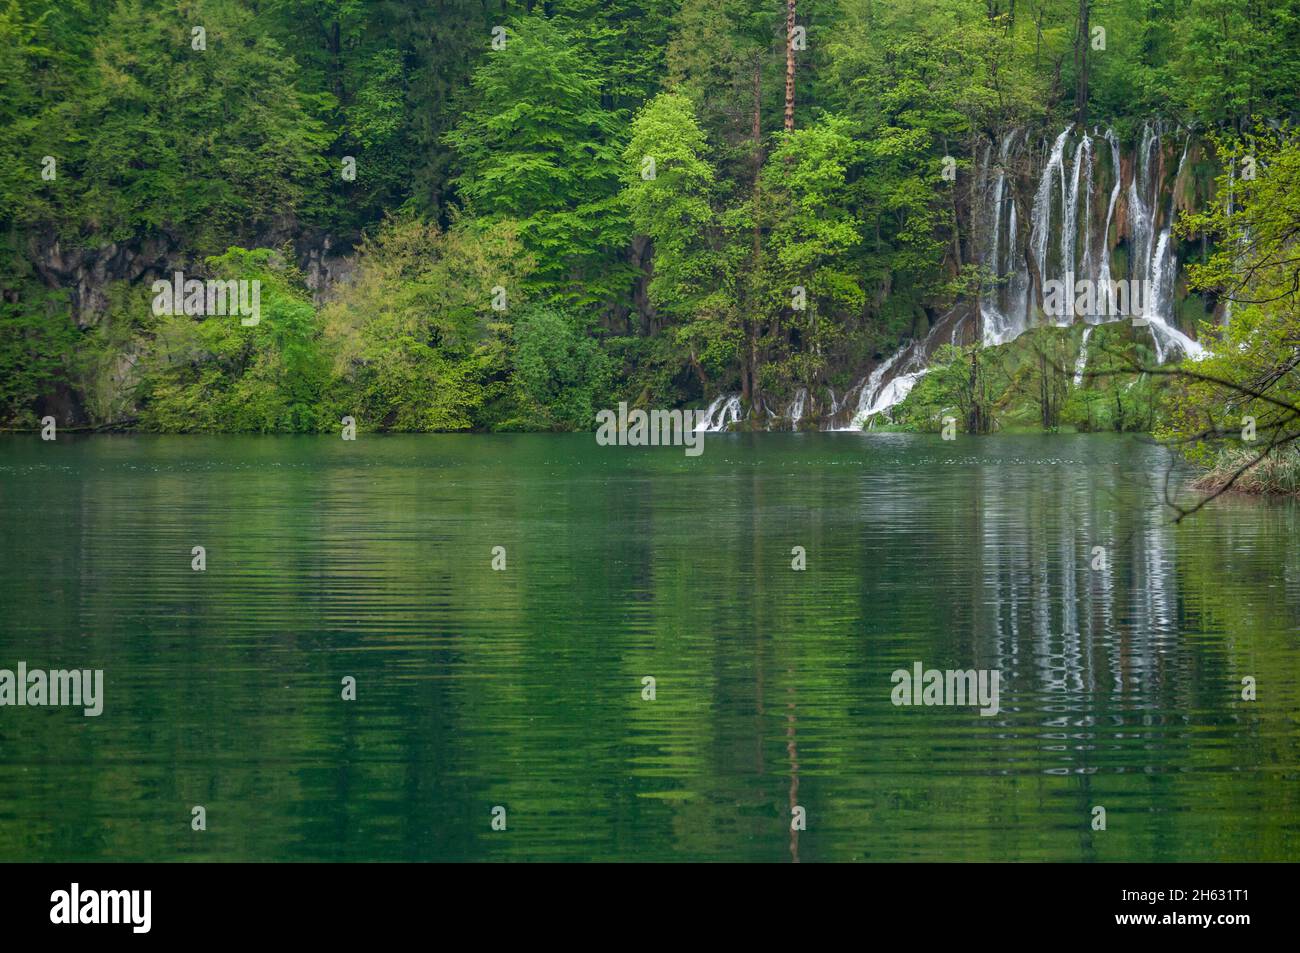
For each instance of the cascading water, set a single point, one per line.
(1161, 275)
(797, 407)
(894, 391)
(998, 322)
(1040, 228)
(1070, 215)
(1064, 241)
(1081, 364)
(1103, 253)
(1063, 207)
(869, 389)
(1141, 225)
(719, 415)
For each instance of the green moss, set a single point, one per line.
(1029, 383)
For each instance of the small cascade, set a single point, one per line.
(1002, 311)
(1081, 363)
(895, 391)
(1103, 253)
(1140, 215)
(1018, 286)
(1089, 161)
(871, 388)
(893, 379)
(1161, 276)
(1040, 229)
(721, 414)
(1070, 220)
(797, 407)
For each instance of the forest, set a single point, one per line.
(496, 430)
(506, 216)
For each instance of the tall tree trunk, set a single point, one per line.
(1044, 391)
(1081, 64)
(1038, 42)
(956, 219)
(789, 65)
(777, 333)
(749, 363)
(977, 419)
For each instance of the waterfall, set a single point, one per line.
(1103, 276)
(1018, 288)
(724, 411)
(1089, 161)
(1162, 273)
(870, 390)
(1151, 253)
(730, 413)
(1158, 275)
(1042, 210)
(998, 323)
(880, 391)
(1081, 363)
(1069, 215)
(1140, 224)
(1023, 241)
(797, 407)
(998, 190)
(876, 395)
(894, 392)
(710, 412)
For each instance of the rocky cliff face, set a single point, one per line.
(1086, 208)
(87, 272)
(102, 394)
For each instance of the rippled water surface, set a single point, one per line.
(1121, 686)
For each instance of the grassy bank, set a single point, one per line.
(1038, 383)
(1239, 469)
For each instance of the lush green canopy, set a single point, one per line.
(554, 206)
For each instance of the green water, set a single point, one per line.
(1120, 687)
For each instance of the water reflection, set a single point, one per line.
(1121, 684)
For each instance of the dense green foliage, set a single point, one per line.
(1029, 384)
(554, 206)
(1240, 407)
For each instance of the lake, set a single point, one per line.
(1121, 640)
